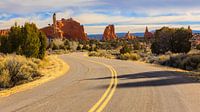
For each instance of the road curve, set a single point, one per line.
(137, 88)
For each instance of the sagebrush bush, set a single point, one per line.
(129, 56)
(100, 54)
(198, 47)
(16, 70)
(125, 49)
(184, 61)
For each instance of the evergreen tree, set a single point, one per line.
(26, 40)
(14, 38)
(43, 45)
(175, 40)
(4, 44)
(30, 42)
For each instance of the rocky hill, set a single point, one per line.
(66, 28)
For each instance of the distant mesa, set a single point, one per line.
(65, 28)
(4, 32)
(129, 36)
(109, 33)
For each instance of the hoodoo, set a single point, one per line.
(109, 33)
(129, 36)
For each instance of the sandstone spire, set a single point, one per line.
(148, 35)
(129, 36)
(109, 33)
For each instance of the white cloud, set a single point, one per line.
(94, 12)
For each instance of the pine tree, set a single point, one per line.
(30, 42)
(14, 38)
(43, 45)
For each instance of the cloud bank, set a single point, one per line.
(129, 15)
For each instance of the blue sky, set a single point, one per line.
(127, 15)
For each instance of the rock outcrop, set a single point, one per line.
(148, 35)
(129, 36)
(4, 32)
(109, 33)
(66, 28)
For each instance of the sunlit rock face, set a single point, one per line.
(66, 28)
(4, 32)
(109, 33)
(129, 36)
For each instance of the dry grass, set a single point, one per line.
(50, 68)
(102, 53)
(129, 56)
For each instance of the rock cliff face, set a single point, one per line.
(66, 28)
(109, 33)
(4, 32)
(129, 36)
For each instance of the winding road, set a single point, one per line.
(109, 85)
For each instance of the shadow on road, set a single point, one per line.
(148, 79)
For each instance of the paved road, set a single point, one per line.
(90, 85)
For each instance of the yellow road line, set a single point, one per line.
(109, 96)
(106, 97)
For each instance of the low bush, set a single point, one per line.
(125, 49)
(129, 56)
(16, 70)
(198, 47)
(101, 54)
(184, 61)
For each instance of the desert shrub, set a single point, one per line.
(136, 44)
(198, 47)
(66, 44)
(184, 61)
(93, 47)
(125, 49)
(86, 47)
(129, 56)
(55, 46)
(100, 54)
(4, 78)
(79, 47)
(17, 70)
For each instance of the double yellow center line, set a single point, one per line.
(105, 98)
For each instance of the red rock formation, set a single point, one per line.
(4, 32)
(72, 29)
(148, 35)
(109, 33)
(66, 28)
(129, 36)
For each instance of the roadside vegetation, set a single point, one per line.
(29, 47)
(15, 70)
(23, 57)
(170, 47)
(25, 40)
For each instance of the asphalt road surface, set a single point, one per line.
(108, 85)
